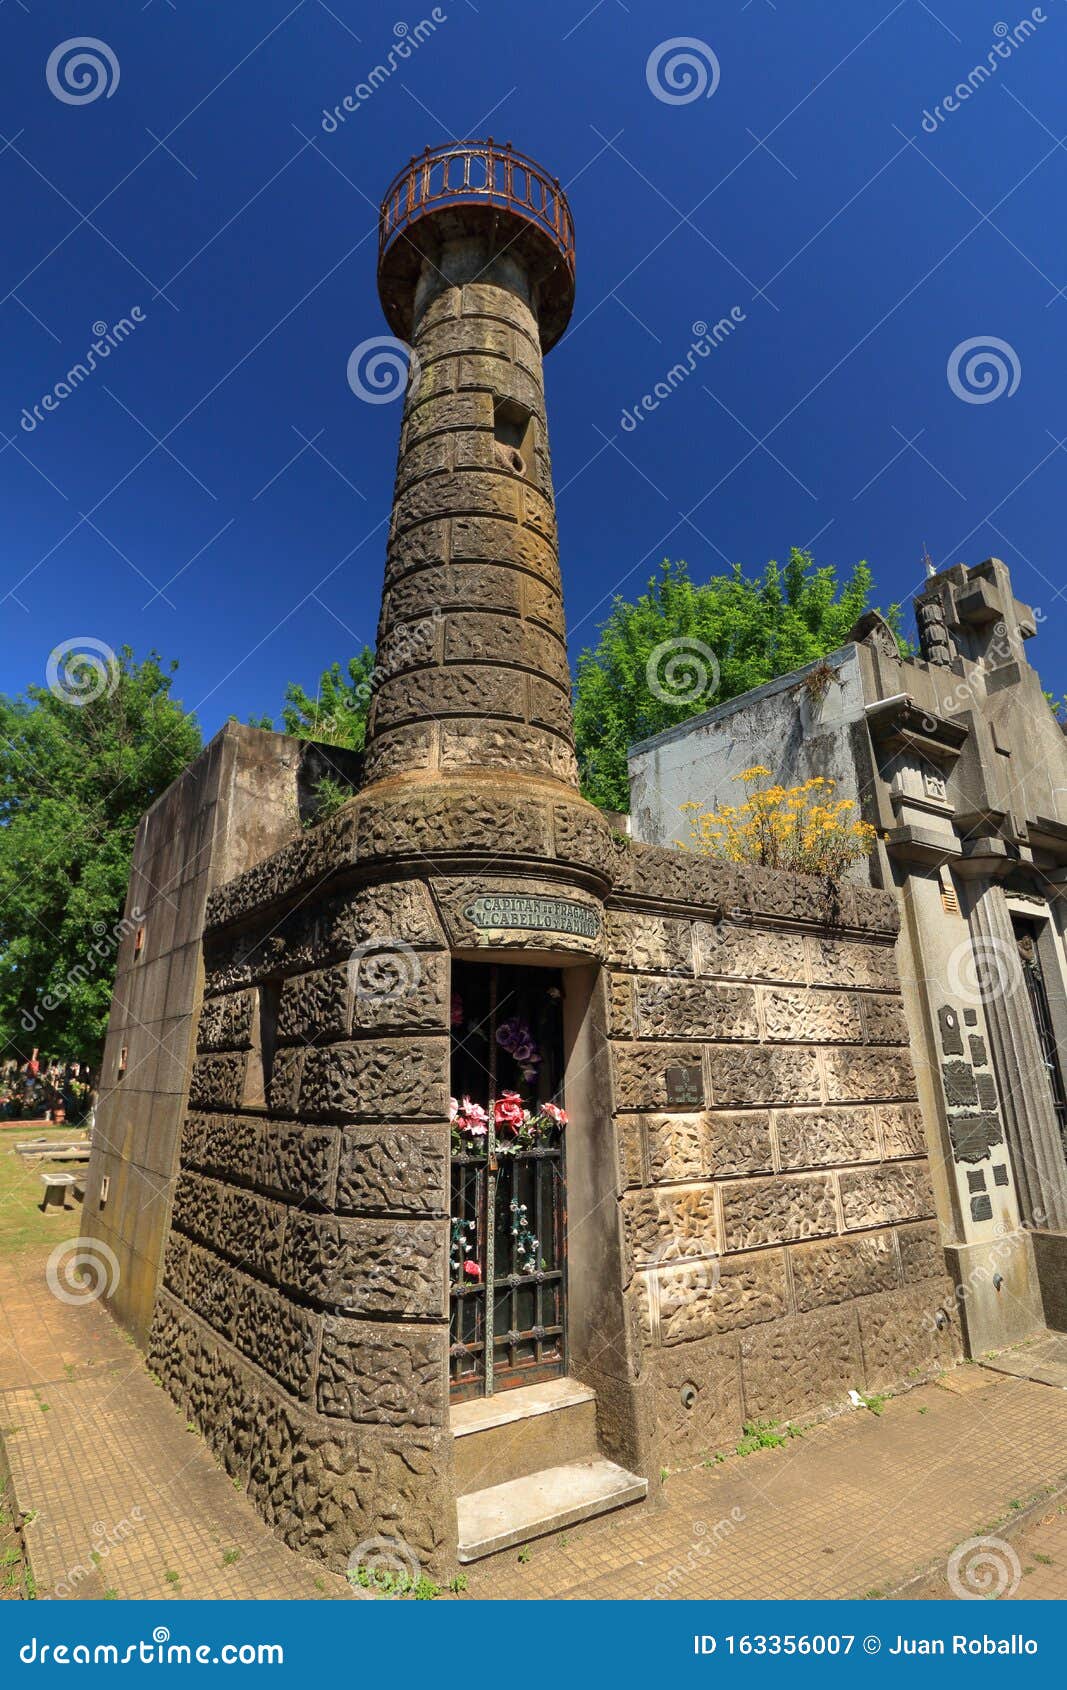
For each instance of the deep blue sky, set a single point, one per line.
(861, 249)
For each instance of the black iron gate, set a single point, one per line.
(508, 1211)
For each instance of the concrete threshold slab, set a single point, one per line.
(481, 1413)
(504, 1515)
(1044, 1360)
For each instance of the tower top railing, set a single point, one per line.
(481, 173)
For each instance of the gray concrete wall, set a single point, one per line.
(783, 725)
(234, 805)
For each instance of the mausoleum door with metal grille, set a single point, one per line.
(507, 1258)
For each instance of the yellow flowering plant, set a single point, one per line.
(802, 828)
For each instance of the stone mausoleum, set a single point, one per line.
(954, 755)
(684, 1182)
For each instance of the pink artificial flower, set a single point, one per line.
(555, 1113)
(508, 1111)
(453, 1109)
(472, 1270)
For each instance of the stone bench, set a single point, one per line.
(56, 1191)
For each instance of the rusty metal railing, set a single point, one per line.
(477, 173)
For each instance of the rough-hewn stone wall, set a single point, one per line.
(303, 1321)
(776, 1200)
(772, 1206)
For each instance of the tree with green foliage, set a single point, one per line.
(81, 760)
(337, 715)
(685, 646)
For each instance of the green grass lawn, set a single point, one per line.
(24, 1230)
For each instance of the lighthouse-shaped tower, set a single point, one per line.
(476, 271)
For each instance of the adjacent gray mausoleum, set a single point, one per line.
(958, 761)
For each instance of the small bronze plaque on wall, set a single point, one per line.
(539, 915)
(685, 1088)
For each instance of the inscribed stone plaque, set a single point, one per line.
(981, 1209)
(542, 915)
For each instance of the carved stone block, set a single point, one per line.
(641, 1072)
(902, 1129)
(490, 744)
(391, 1374)
(694, 1009)
(736, 1143)
(217, 1081)
(697, 1400)
(801, 1363)
(701, 1299)
(885, 1020)
(922, 1254)
(824, 1138)
(377, 1079)
(811, 1017)
(314, 1007)
(232, 1146)
(748, 953)
(298, 1161)
(843, 1268)
(393, 1168)
(845, 962)
(901, 1338)
(226, 1022)
(761, 1076)
(630, 1141)
(670, 1225)
(367, 1266)
(776, 1210)
(878, 1074)
(648, 944)
(884, 1195)
(676, 1147)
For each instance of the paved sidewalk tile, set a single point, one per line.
(126, 1500)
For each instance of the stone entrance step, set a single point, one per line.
(515, 1433)
(549, 1501)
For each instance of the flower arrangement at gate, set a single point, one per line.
(516, 1127)
(469, 1123)
(519, 1128)
(802, 828)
